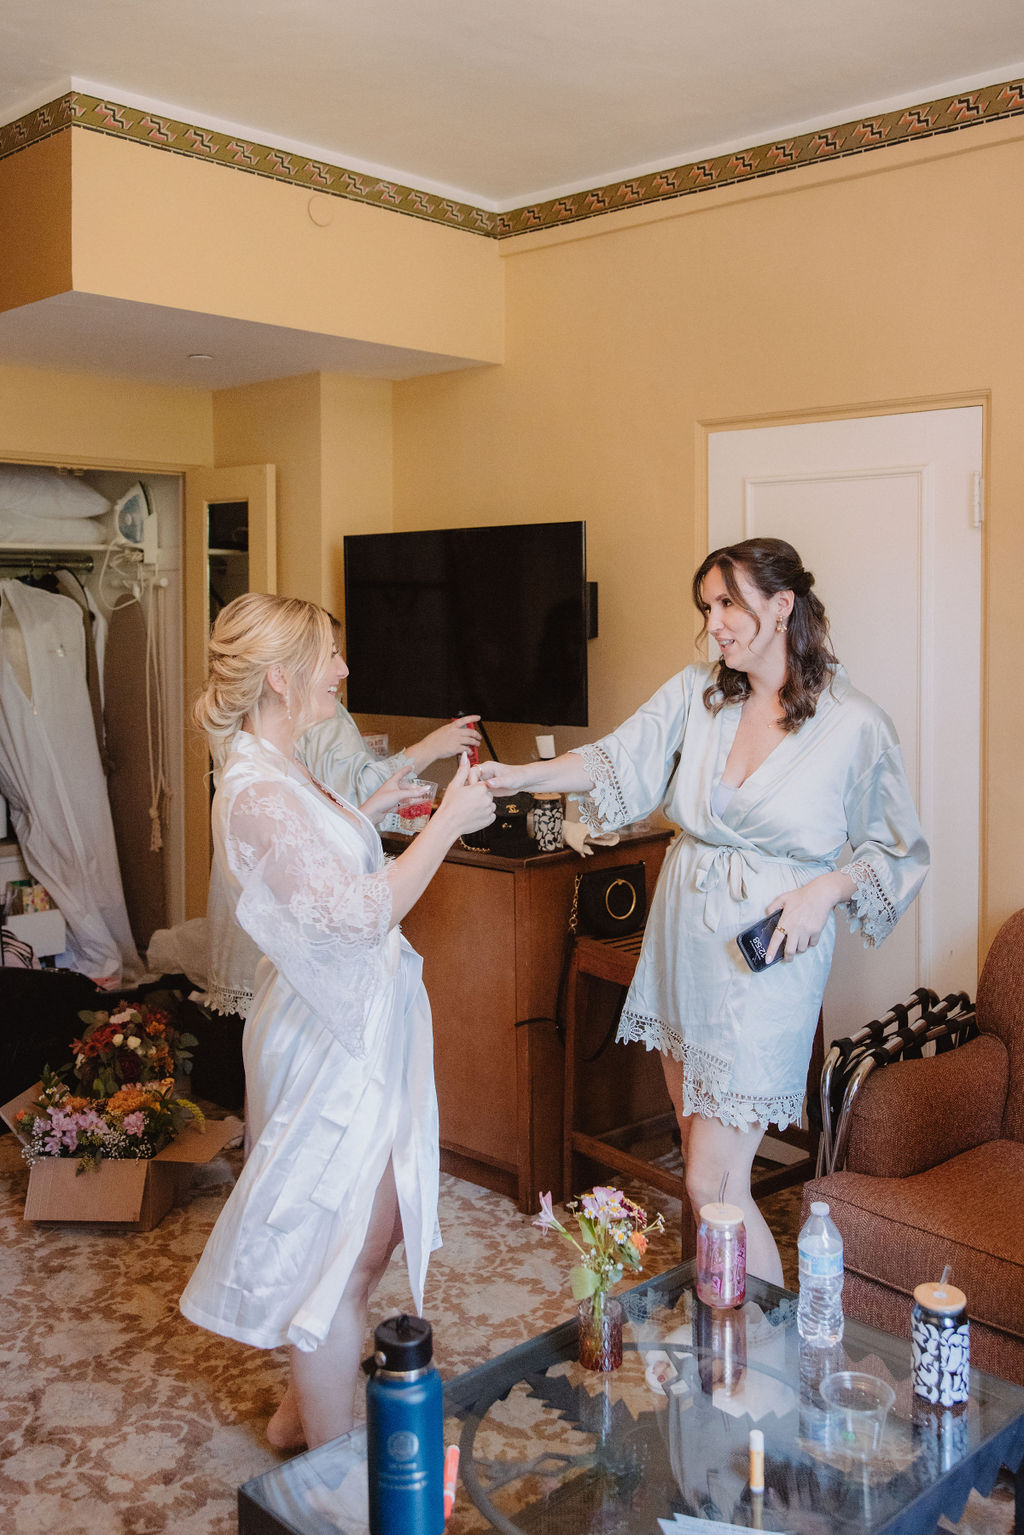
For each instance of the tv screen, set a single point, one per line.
(488, 621)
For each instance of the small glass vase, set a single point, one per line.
(600, 1338)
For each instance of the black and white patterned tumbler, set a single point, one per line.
(941, 1343)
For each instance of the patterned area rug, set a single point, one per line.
(118, 1417)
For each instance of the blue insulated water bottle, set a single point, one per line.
(405, 1431)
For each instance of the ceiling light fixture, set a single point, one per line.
(200, 356)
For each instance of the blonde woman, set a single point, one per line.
(337, 1045)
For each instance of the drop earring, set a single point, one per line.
(288, 703)
(780, 627)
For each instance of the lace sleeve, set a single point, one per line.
(322, 923)
(631, 767)
(889, 853)
(604, 806)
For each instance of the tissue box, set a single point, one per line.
(135, 1194)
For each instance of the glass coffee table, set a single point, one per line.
(661, 1445)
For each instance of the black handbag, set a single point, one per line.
(509, 833)
(607, 903)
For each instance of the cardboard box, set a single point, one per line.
(44, 930)
(135, 1194)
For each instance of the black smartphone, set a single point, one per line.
(753, 942)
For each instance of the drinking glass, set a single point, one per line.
(415, 813)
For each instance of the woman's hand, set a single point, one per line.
(805, 911)
(502, 778)
(445, 741)
(468, 804)
(394, 791)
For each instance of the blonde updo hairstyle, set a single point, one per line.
(250, 635)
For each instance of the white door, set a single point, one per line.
(885, 511)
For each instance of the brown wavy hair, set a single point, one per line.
(772, 565)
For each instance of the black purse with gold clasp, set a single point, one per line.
(509, 832)
(608, 903)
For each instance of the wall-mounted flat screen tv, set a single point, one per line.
(488, 621)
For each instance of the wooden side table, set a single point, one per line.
(637, 1146)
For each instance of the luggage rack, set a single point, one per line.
(922, 1025)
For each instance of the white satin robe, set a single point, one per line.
(215, 953)
(338, 1061)
(745, 1039)
(51, 774)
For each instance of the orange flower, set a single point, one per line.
(639, 1242)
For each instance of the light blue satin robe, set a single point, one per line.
(745, 1039)
(338, 1062)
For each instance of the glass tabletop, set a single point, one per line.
(661, 1444)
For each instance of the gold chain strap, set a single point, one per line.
(574, 913)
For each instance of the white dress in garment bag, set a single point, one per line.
(50, 773)
(338, 1061)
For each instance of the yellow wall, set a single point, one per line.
(330, 439)
(35, 222)
(80, 419)
(888, 281)
(206, 237)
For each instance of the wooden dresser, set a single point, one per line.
(492, 933)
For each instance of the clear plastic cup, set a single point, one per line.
(857, 1405)
(414, 814)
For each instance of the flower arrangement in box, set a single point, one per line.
(123, 1104)
(136, 1121)
(136, 1042)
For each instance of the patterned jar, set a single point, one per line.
(546, 819)
(940, 1338)
(721, 1255)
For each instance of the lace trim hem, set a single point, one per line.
(705, 1076)
(870, 908)
(604, 806)
(227, 1000)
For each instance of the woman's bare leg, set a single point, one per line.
(673, 1070)
(710, 1151)
(321, 1396)
(717, 1150)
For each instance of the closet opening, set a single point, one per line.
(92, 704)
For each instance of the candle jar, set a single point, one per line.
(721, 1255)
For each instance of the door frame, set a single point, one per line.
(257, 485)
(707, 427)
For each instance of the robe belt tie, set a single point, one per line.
(722, 876)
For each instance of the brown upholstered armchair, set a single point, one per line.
(935, 1174)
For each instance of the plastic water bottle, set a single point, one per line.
(405, 1431)
(819, 1312)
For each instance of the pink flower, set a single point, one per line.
(605, 1205)
(547, 1220)
(134, 1124)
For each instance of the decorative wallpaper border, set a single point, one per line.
(948, 115)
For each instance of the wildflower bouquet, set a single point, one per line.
(614, 1234)
(135, 1121)
(135, 1043)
